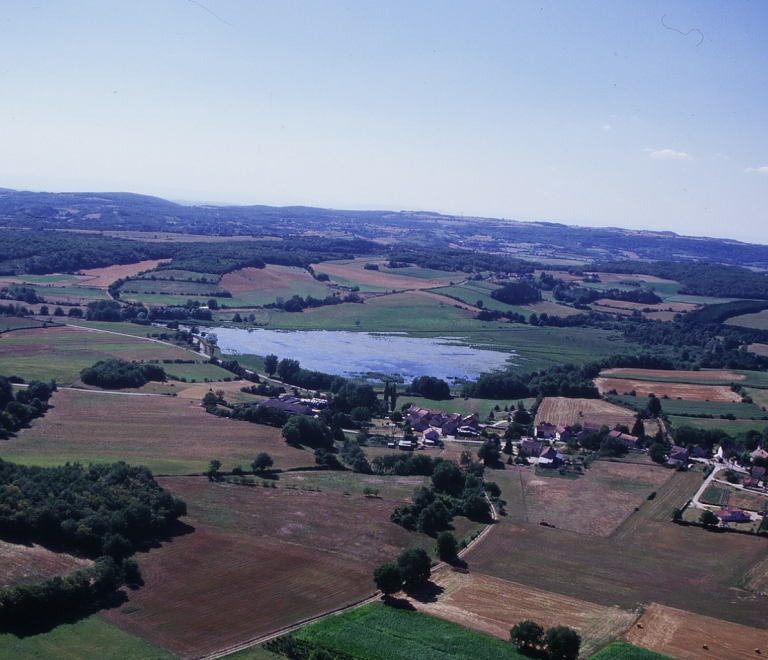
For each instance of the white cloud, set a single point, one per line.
(667, 154)
(607, 127)
(761, 170)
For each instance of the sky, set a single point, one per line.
(636, 114)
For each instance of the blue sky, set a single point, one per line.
(645, 115)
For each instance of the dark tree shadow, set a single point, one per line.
(173, 531)
(426, 593)
(458, 565)
(398, 603)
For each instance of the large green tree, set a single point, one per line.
(562, 643)
(388, 578)
(270, 364)
(308, 431)
(415, 566)
(527, 635)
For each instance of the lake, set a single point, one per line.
(353, 353)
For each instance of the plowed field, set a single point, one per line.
(561, 410)
(492, 606)
(377, 278)
(673, 376)
(685, 391)
(263, 279)
(684, 635)
(258, 559)
(103, 277)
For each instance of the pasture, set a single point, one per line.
(758, 321)
(91, 638)
(731, 427)
(25, 563)
(354, 271)
(260, 286)
(379, 632)
(595, 504)
(492, 606)
(684, 635)
(271, 555)
(170, 435)
(647, 559)
(681, 407)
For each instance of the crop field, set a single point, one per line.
(460, 405)
(685, 391)
(682, 408)
(492, 606)
(685, 636)
(624, 651)
(379, 632)
(8, 323)
(731, 427)
(595, 504)
(271, 555)
(91, 638)
(703, 377)
(759, 349)
(75, 295)
(23, 563)
(60, 279)
(647, 559)
(172, 288)
(470, 295)
(560, 410)
(550, 308)
(758, 321)
(260, 286)
(723, 494)
(103, 277)
(170, 435)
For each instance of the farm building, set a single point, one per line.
(546, 431)
(531, 447)
(291, 405)
(732, 514)
(679, 456)
(630, 440)
(550, 458)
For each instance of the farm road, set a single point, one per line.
(365, 601)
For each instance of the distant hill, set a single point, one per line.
(541, 241)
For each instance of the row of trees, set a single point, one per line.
(557, 643)
(17, 410)
(116, 374)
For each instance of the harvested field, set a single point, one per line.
(492, 606)
(648, 559)
(561, 410)
(685, 391)
(101, 278)
(272, 556)
(683, 635)
(378, 278)
(171, 435)
(673, 376)
(595, 504)
(446, 299)
(550, 308)
(758, 321)
(24, 563)
(759, 349)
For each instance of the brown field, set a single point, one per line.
(673, 376)
(492, 606)
(377, 278)
(101, 278)
(759, 349)
(595, 504)
(661, 316)
(648, 559)
(26, 563)
(758, 321)
(631, 306)
(262, 279)
(561, 410)
(258, 559)
(551, 308)
(683, 635)
(446, 299)
(172, 435)
(622, 277)
(685, 391)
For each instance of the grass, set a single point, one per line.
(88, 639)
(697, 408)
(378, 632)
(624, 651)
(731, 427)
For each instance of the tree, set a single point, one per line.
(489, 453)
(657, 452)
(447, 546)
(562, 643)
(388, 578)
(286, 368)
(448, 478)
(58, 311)
(527, 635)
(415, 566)
(654, 405)
(638, 430)
(270, 364)
(708, 518)
(212, 471)
(213, 303)
(262, 462)
(303, 430)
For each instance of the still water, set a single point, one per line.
(352, 353)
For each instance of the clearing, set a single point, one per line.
(25, 563)
(683, 635)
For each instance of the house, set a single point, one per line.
(432, 434)
(732, 514)
(531, 447)
(590, 427)
(701, 451)
(758, 473)
(629, 440)
(759, 453)
(406, 445)
(679, 456)
(550, 458)
(563, 433)
(545, 430)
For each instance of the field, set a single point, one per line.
(102, 277)
(354, 272)
(86, 639)
(272, 555)
(624, 651)
(705, 376)
(492, 606)
(688, 636)
(693, 408)
(595, 504)
(721, 494)
(378, 632)
(560, 410)
(758, 321)
(647, 559)
(672, 390)
(731, 427)
(61, 352)
(171, 435)
(22, 563)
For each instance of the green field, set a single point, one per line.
(469, 293)
(378, 632)
(87, 639)
(624, 651)
(731, 427)
(679, 407)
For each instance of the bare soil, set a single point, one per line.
(665, 374)
(492, 606)
(688, 636)
(377, 278)
(561, 410)
(101, 278)
(685, 391)
(262, 279)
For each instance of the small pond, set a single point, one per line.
(353, 353)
